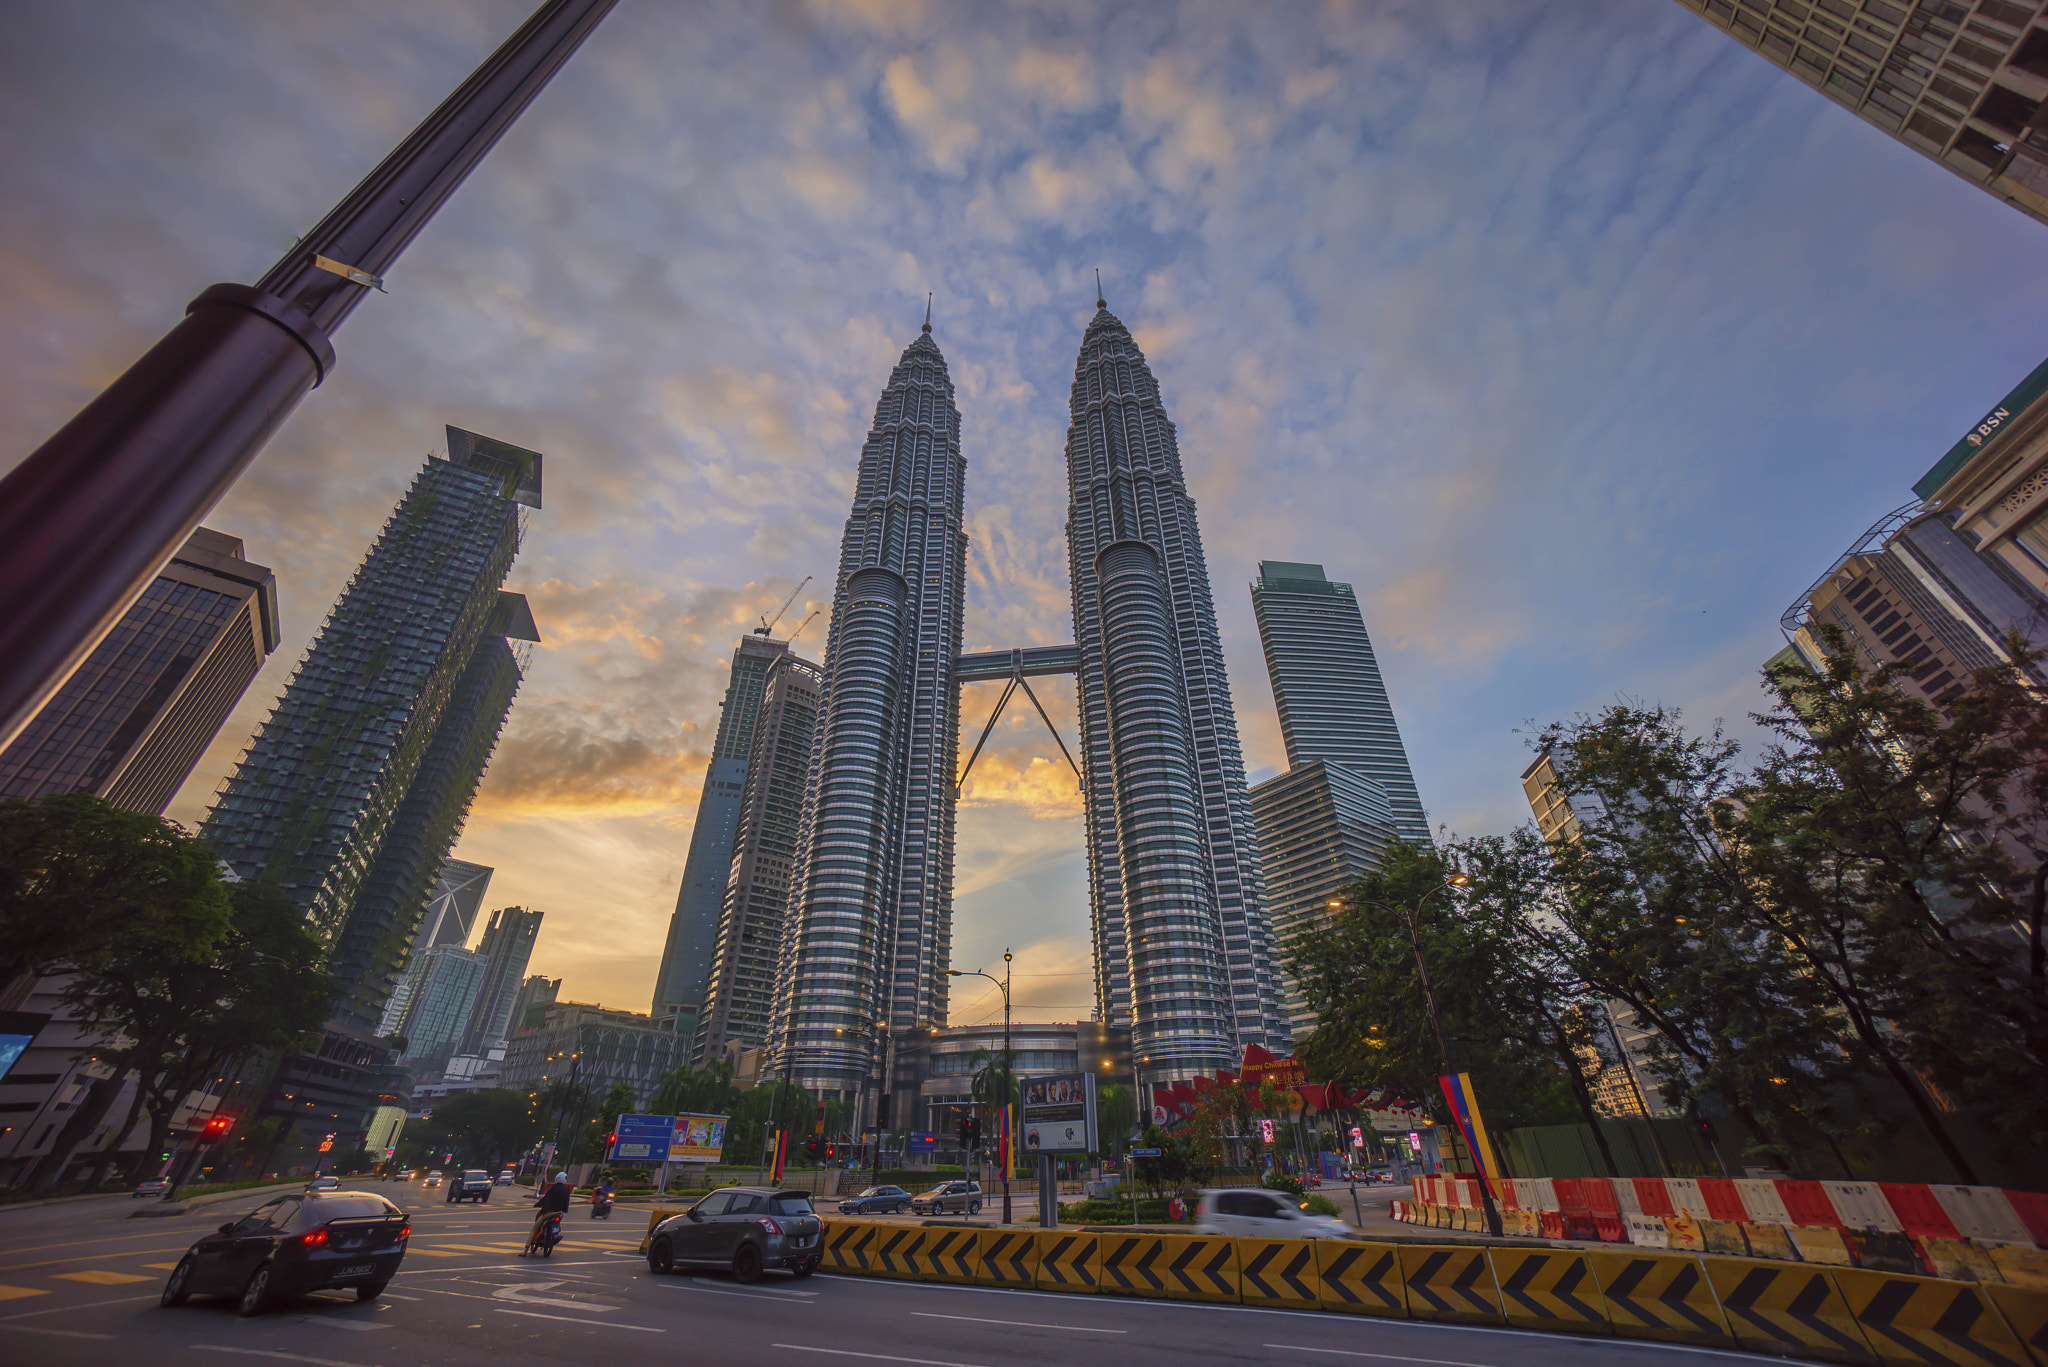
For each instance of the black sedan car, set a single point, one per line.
(308, 1241)
(876, 1201)
(742, 1228)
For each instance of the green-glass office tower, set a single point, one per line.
(1326, 684)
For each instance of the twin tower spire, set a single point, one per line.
(1182, 949)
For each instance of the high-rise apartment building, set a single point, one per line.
(506, 948)
(1958, 82)
(538, 990)
(135, 718)
(740, 999)
(679, 985)
(871, 933)
(1183, 951)
(1321, 827)
(355, 789)
(1326, 684)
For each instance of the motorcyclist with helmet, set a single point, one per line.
(553, 1204)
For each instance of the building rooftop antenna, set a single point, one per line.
(1100, 302)
(927, 311)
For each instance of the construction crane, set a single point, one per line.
(768, 623)
(800, 628)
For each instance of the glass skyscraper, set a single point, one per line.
(871, 932)
(1326, 684)
(680, 983)
(1183, 952)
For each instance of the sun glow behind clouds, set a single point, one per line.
(1574, 336)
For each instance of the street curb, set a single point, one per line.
(66, 1200)
(161, 1210)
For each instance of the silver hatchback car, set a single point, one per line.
(964, 1197)
(746, 1229)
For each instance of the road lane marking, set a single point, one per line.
(716, 1291)
(1019, 1324)
(15, 1293)
(571, 1319)
(161, 1267)
(100, 1278)
(1377, 1357)
(59, 1333)
(270, 1353)
(93, 1257)
(75, 1309)
(336, 1322)
(873, 1357)
(394, 1296)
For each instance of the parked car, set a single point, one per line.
(1264, 1215)
(1384, 1175)
(155, 1186)
(293, 1244)
(471, 1184)
(964, 1197)
(324, 1183)
(876, 1201)
(746, 1229)
(433, 1180)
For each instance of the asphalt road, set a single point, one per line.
(79, 1283)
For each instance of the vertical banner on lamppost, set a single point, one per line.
(781, 1157)
(1464, 1105)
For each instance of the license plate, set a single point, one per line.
(358, 1270)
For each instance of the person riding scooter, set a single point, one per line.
(547, 1220)
(601, 1200)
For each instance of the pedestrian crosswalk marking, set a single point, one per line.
(9, 1293)
(100, 1278)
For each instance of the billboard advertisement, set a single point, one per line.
(697, 1139)
(1058, 1115)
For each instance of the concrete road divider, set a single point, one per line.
(2025, 1313)
(1786, 1309)
(1071, 1261)
(846, 1247)
(1542, 1289)
(1362, 1279)
(1130, 1264)
(1660, 1296)
(1770, 1241)
(1200, 1267)
(894, 1251)
(1646, 1231)
(947, 1255)
(1280, 1272)
(1822, 1244)
(1007, 1257)
(1915, 1320)
(1453, 1283)
(2021, 1266)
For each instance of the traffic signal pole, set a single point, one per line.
(90, 519)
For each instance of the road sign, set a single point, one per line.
(922, 1141)
(1144, 1153)
(644, 1138)
(1059, 1113)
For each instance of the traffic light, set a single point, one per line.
(610, 1140)
(970, 1132)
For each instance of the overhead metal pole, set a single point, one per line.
(91, 518)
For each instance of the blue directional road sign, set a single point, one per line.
(922, 1141)
(1144, 1153)
(644, 1138)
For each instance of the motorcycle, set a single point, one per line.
(600, 1205)
(545, 1236)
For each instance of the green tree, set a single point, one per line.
(1358, 972)
(1898, 850)
(695, 1091)
(1116, 1115)
(485, 1128)
(175, 1017)
(80, 877)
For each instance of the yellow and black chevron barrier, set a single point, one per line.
(1280, 1272)
(1805, 1310)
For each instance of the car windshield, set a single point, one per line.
(873, 1191)
(790, 1203)
(476, 1172)
(351, 1205)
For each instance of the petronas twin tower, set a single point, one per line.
(1182, 948)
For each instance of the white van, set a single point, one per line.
(1254, 1212)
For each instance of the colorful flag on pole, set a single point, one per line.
(1003, 1138)
(1464, 1104)
(781, 1157)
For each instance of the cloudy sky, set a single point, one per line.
(1577, 337)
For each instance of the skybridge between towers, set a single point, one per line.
(1012, 667)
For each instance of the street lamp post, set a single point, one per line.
(1004, 983)
(91, 517)
(1410, 918)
